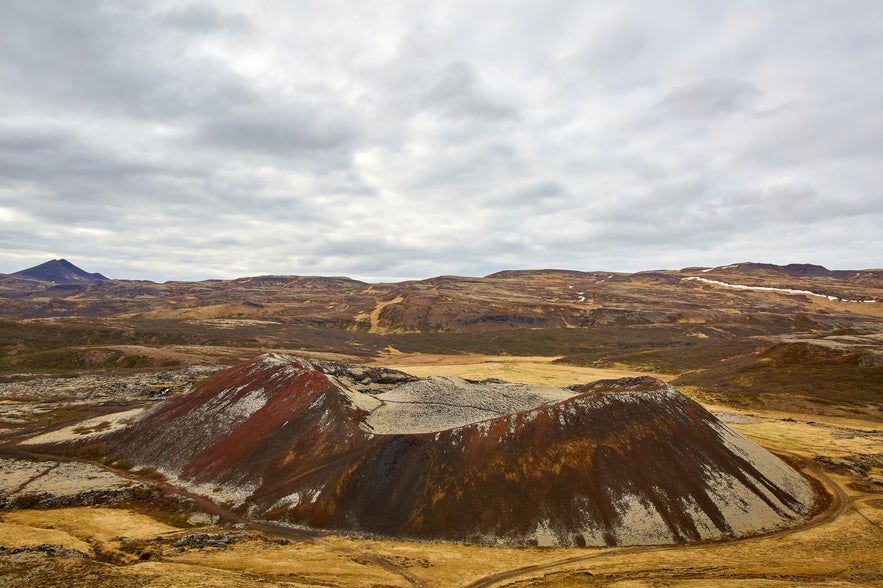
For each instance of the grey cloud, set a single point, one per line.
(701, 213)
(819, 135)
(58, 154)
(24, 140)
(611, 53)
(109, 61)
(282, 134)
(793, 203)
(711, 97)
(536, 197)
(200, 18)
(364, 253)
(539, 194)
(459, 94)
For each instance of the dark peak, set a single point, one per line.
(791, 270)
(60, 271)
(794, 270)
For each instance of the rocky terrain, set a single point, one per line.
(787, 355)
(324, 444)
(748, 334)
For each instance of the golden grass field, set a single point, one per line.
(841, 546)
(529, 370)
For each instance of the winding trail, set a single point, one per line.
(316, 538)
(25, 484)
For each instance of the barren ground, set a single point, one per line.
(132, 544)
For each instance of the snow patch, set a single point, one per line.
(771, 289)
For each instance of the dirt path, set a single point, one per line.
(24, 484)
(375, 315)
(840, 501)
(313, 536)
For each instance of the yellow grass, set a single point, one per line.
(91, 524)
(528, 370)
(374, 316)
(809, 435)
(848, 547)
(313, 564)
(14, 534)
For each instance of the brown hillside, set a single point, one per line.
(704, 324)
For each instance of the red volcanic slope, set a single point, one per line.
(628, 461)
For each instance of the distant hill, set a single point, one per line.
(60, 271)
(747, 332)
(792, 270)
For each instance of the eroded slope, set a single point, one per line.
(616, 462)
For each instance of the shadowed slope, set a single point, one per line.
(60, 271)
(616, 462)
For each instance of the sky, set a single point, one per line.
(388, 140)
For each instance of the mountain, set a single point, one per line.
(60, 271)
(791, 270)
(337, 446)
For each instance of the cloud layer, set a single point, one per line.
(387, 141)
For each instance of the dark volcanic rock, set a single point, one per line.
(201, 540)
(615, 462)
(60, 271)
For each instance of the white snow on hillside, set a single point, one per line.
(771, 289)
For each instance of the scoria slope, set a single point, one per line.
(61, 271)
(333, 446)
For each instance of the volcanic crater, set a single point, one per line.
(367, 449)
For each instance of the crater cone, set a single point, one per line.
(335, 446)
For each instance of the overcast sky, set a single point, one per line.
(392, 140)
